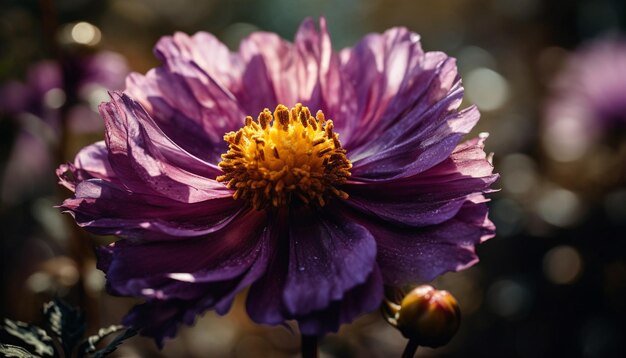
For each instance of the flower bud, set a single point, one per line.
(429, 316)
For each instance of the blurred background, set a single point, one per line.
(545, 74)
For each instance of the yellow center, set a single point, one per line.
(289, 155)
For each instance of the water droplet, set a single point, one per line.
(301, 268)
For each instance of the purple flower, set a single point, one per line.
(314, 215)
(588, 99)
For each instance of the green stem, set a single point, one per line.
(411, 348)
(309, 346)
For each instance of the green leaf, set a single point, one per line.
(30, 338)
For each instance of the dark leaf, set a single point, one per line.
(30, 338)
(89, 345)
(66, 322)
(115, 343)
(8, 350)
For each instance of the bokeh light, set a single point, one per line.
(486, 88)
(82, 33)
(54, 98)
(510, 299)
(559, 207)
(85, 33)
(562, 265)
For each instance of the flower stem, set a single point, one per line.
(411, 348)
(309, 346)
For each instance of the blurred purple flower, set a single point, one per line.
(29, 96)
(588, 99)
(411, 210)
(35, 105)
(46, 84)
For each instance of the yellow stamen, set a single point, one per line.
(304, 159)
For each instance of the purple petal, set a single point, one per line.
(405, 210)
(406, 121)
(224, 254)
(220, 111)
(186, 92)
(307, 72)
(393, 76)
(158, 319)
(105, 208)
(187, 132)
(182, 280)
(175, 94)
(204, 50)
(375, 67)
(265, 303)
(322, 84)
(268, 78)
(311, 51)
(431, 197)
(388, 158)
(92, 162)
(361, 299)
(327, 259)
(413, 255)
(146, 160)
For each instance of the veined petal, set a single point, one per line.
(392, 76)
(94, 160)
(268, 75)
(327, 257)
(185, 131)
(205, 50)
(328, 260)
(181, 89)
(104, 208)
(146, 160)
(181, 284)
(307, 72)
(412, 255)
(91, 162)
(322, 85)
(217, 256)
(404, 157)
(219, 109)
(365, 297)
(431, 197)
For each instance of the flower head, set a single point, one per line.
(315, 213)
(588, 99)
(304, 159)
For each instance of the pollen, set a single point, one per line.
(284, 157)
